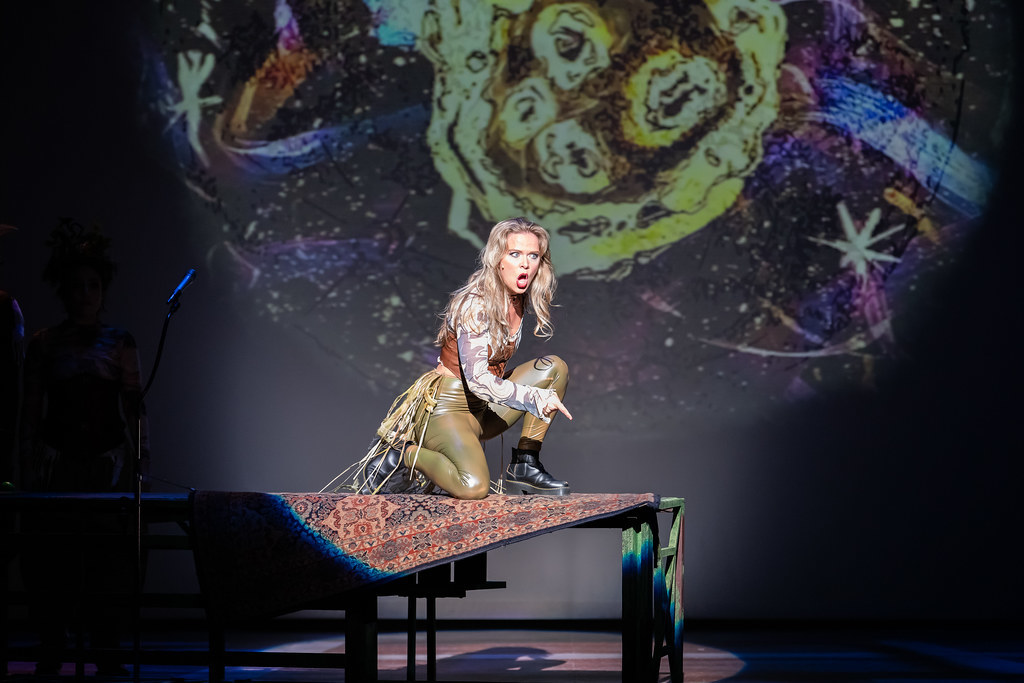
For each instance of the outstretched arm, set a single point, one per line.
(539, 402)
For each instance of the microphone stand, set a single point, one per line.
(172, 307)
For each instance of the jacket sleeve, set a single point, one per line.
(473, 360)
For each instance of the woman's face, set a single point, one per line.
(520, 262)
(83, 294)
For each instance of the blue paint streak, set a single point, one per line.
(857, 107)
(885, 124)
(634, 561)
(337, 143)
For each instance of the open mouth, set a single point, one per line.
(522, 281)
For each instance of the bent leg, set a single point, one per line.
(546, 372)
(452, 456)
(525, 473)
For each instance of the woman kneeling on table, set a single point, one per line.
(433, 434)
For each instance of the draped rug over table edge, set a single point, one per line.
(263, 554)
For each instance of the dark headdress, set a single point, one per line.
(71, 246)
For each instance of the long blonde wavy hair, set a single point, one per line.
(486, 282)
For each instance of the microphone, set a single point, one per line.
(186, 281)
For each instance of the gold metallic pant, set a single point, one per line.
(452, 455)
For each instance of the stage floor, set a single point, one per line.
(749, 653)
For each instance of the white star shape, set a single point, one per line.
(856, 248)
(193, 70)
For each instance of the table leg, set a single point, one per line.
(668, 595)
(410, 644)
(637, 599)
(361, 639)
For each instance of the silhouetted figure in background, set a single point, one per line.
(82, 412)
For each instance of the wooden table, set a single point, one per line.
(652, 589)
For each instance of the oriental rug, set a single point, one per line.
(262, 554)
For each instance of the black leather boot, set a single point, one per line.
(526, 474)
(378, 469)
(402, 481)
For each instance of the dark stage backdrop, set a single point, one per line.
(785, 234)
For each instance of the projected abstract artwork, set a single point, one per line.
(626, 126)
(748, 199)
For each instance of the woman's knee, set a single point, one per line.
(543, 371)
(474, 491)
(551, 365)
(551, 372)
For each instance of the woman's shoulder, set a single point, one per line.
(470, 312)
